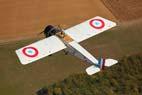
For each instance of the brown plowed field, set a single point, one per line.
(125, 10)
(25, 18)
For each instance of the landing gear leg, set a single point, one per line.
(66, 53)
(50, 55)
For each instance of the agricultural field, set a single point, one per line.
(22, 19)
(125, 10)
(18, 79)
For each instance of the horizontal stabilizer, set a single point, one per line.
(110, 62)
(92, 70)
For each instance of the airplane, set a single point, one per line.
(68, 40)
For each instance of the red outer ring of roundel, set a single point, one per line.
(102, 22)
(24, 51)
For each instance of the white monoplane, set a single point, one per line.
(68, 40)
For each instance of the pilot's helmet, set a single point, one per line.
(48, 28)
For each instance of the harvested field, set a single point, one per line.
(22, 19)
(125, 10)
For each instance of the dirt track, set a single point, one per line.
(125, 10)
(23, 18)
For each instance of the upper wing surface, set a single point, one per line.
(40, 49)
(89, 28)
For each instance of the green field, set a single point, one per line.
(16, 79)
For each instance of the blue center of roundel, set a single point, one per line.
(97, 23)
(29, 51)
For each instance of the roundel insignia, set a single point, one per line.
(97, 23)
(30, 51)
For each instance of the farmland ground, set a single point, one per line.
(17, 79)
(21, 19)
(125, 10)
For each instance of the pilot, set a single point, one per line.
(50, 30)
